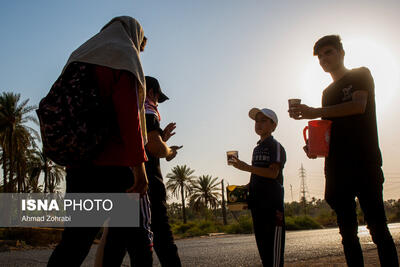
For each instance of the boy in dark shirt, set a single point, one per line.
(266, 188)
(353, 166)
(157, 148)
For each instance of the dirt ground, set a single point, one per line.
(370, 260)
(370, 257)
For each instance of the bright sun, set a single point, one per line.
(382, 65)
(360, 52)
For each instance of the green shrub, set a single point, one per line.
(195, 228)
(181, 228)
(290, 224)
(243, 226)
(195, 231)
(301, 223)
(326, 218)
(204, 225)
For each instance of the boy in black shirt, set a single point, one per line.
(266, 188)
(157, 148)
(353, 166)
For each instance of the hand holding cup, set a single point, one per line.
(231, 155)
(293, 104)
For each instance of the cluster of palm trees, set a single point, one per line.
(26, 169)
(21, 159)
(202, 191)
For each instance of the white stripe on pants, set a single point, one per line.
(277, 246)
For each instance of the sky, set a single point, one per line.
(216, 60)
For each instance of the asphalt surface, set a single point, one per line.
(226, 250)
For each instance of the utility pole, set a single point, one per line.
(291, 191)
(303, 188)
(223, 203)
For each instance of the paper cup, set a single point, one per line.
(294, 101)
(230, 155)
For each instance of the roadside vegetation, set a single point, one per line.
(313, 214)
(200, 209)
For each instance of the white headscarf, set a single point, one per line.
(117, 46)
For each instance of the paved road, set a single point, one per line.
(227, 250)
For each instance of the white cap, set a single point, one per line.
(267, 112)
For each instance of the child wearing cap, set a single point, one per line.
(266, 188)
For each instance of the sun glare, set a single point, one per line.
(383, 66)
(368, 53)
(314, 80)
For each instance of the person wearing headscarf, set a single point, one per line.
(156, 148)
(113, 53)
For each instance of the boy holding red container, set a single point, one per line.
(353, 166)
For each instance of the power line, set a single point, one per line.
(303, 188)
(291, 192)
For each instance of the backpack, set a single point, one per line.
(74, 118)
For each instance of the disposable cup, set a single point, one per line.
(294, 101)
(230, 155)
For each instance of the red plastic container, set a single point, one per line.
(319, 135)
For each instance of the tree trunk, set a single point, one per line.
(46, 171)
(183, 204)
(25, 181)
(4, 171)
(10, 158)
(51, 184)
(18, 177)
(223, 204)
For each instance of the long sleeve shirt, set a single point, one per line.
(125, 146)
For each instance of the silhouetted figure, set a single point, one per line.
(353, 166)
(113, 55)
(266, 193)
(156, 148)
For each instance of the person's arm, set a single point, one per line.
(126, 107)
(156, 146)
(141, 183)
(271, 172)
(356, 106)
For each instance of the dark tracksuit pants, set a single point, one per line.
(269, 231)
(77, 241)
(343, 184)
(269, 223)
(164, 245)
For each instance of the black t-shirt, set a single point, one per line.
(153, 169)
(354, 139)
(267, 191)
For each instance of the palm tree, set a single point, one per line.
(22, 157)
(56, 175)
(44, 166)
(34, 168)
(179, 183)
(53, 173)
(2, 163)
(32, 182)
(15, 136)
(20, 170)
(205, 192)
